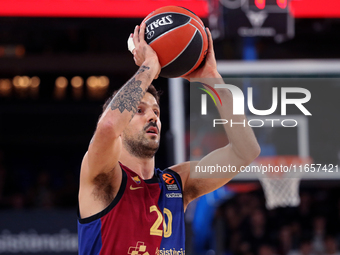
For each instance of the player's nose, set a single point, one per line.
(152, 117)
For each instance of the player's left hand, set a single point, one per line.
(209, 68)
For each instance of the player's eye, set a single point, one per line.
(156, 112)
(139, 110)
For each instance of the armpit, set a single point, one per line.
(103, 190)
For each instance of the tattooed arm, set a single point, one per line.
(100, 176)
(104, 150)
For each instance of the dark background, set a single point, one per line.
(43, 140)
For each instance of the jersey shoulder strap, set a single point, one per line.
(170, 179)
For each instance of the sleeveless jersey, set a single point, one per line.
(145, 218)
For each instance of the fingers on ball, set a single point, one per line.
(135, 35)
(142, 31)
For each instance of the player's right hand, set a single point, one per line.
(143, 53)
(209, 68)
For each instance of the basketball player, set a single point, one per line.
(127, 207)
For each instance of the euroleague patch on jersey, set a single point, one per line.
(136, 179)
(170, 182)
(168, 178)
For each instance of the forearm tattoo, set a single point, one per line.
(142, 69)
(130, 95)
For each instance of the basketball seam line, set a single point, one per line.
(163, 13)
(175, 13)
(200, 51)
(169, 31)
(183, 50)
(199, 23)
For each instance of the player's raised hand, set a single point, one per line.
(209, 68)
(142, 51)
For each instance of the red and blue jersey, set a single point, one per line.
(145, 218)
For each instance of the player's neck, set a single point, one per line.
(144, 167)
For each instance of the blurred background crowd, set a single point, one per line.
(22, 186)
(247, 227)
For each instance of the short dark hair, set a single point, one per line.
(151, 89)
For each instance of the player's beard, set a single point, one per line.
(140, 146)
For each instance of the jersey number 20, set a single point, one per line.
(167, 227)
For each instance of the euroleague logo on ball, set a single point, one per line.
(166, 20)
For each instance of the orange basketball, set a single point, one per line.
(179, 38)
